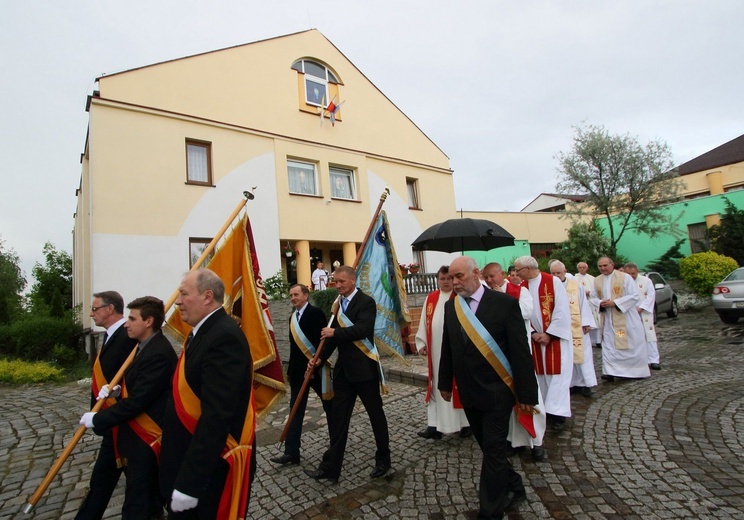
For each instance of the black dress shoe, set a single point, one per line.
(430, 433)
(586, 391)
(514, 498)
(380, 470)
(654, 366)
(559, 423)
(465, 432)
(538, 453)
(319, 474)
(285, 459)
(608, 377)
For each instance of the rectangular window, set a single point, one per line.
(413, 198)
(698, 234)
(198, 162)
(302, 178)
(196, 248)
(342, 183)
(316, 92)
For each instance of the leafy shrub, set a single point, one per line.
(18, 372)
(277, 287)
(34, 338)
(702, 271)
(324, 299)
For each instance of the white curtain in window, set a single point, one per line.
(412, 196)
(342, 184)
(301, 177)
(198, 170)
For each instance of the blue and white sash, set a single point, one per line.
(308, 349)
(366, 346)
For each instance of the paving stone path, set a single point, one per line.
(666, 447)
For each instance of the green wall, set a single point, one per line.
(502, 255)
(641, 249)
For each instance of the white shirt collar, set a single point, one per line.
(196, 327)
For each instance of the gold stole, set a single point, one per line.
(577, 333)
(145, 428)
(618, 317)
(325, 372)
(98, 380)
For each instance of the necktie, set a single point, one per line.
(344, 303)
(188, 340)
(105, 338)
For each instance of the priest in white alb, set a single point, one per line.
(624, 352)
(551, 339)
(443, 417)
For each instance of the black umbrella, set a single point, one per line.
(463, 234)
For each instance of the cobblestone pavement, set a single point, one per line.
(664, 447)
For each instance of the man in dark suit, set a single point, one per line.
(305, 325)
(355, 374)
(107, 312)
(140, 413)
(216, 371)
(487, 399)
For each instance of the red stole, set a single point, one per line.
(98, 380)
(546, 297)
(429, 306)
(513, 290)
(234, 499)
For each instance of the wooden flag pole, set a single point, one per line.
(34, 499)
(334, 311)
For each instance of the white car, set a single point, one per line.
(728, 296)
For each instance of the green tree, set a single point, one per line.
(623, 180)
(12, 284)
(585, 243)
(54, 277)
(727, 238)
(668, 263)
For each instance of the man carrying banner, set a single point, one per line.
(484, 347)
(108, 312)
(442, 416)
(139, 411)
(206, 463)
(305, 325)
(357, 373)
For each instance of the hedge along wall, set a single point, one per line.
(639, 248)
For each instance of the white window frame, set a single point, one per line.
(338, 173)
(299, 186)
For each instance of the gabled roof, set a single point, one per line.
(728, 153)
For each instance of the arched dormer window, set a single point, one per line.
(317, 85)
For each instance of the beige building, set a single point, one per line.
(172, 146)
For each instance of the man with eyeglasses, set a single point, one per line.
(107, 311)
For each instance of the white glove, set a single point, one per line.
(104, 392)
(181, 502)
(87, 419)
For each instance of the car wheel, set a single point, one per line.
(729, 318)
(674, 311)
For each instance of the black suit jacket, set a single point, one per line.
(312, 322)
(219, 370)
(113, 354)
(352, 362)
(478, 384)
(147, 381)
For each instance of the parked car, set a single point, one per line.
(666, 299)
(728, 296)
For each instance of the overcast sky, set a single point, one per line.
(497, 85)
